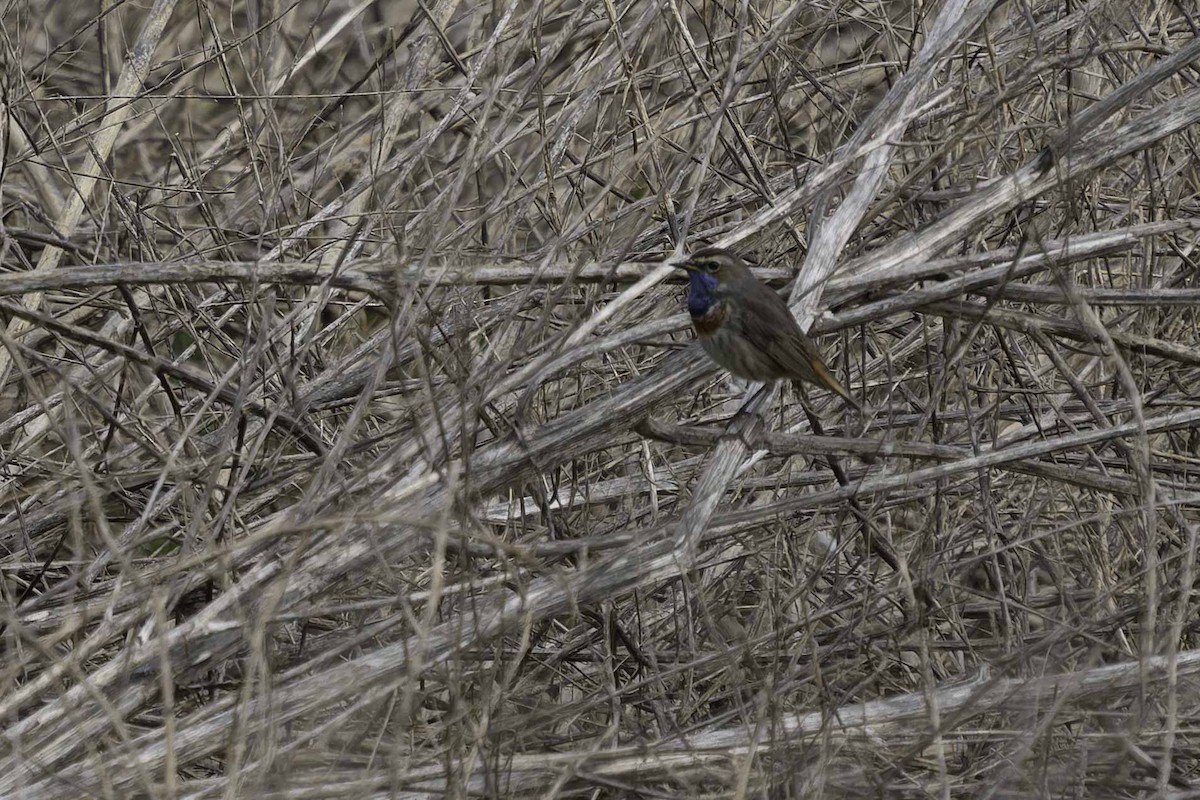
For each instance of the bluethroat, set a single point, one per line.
(747, 328)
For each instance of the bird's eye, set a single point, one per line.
(712, 267)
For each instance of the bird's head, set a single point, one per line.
(716, 266)
(711, 272)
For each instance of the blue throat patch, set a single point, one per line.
(701, 292)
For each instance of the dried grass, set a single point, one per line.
(353, 445)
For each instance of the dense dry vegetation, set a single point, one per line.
(353, 444)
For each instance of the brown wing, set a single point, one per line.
(769, 322)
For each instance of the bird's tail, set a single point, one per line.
(834, 385)
(825, 378)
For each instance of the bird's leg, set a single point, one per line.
(754, 403)
(747, 422)
(757, 401)
(875, 539)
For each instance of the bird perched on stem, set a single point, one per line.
(747, 328)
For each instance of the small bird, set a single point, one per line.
(747, 328)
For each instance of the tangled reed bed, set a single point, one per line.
(353, 444)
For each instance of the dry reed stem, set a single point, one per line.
(352, 444)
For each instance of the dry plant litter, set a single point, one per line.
(353, 444)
